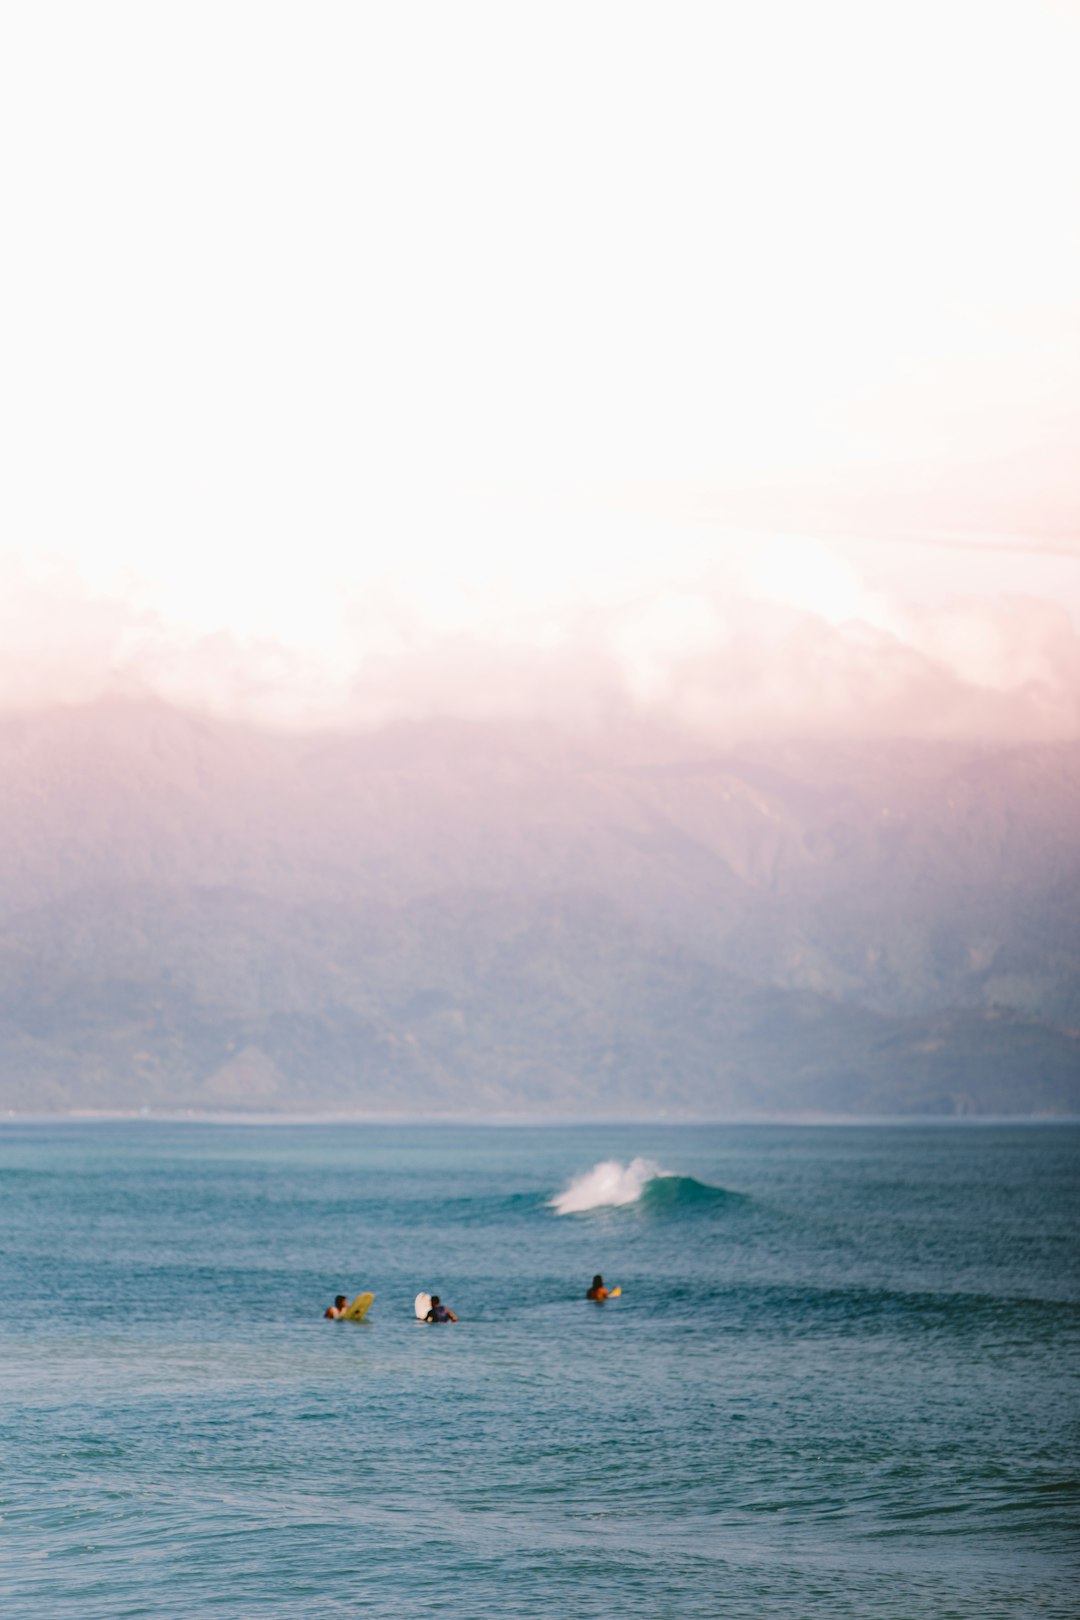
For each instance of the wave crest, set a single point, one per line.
(607, 1183)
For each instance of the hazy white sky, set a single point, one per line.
(361, 360)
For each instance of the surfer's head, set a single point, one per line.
(598, 1281)
(339, 1300)
(434, 1299)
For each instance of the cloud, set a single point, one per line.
(254, 354)
(60, 643)
(710, 652)
(794, 673)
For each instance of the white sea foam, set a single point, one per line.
(608, 1182)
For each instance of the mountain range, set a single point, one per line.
(446, 918)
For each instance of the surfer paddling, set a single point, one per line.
(439, 1312)
(599, 1293)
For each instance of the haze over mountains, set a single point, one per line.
(459, 918)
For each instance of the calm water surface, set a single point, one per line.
(841, 1379)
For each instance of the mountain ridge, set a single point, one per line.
(456, 918)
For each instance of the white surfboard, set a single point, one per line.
(423, 1305)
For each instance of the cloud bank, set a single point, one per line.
(790, 644)
(284, 305)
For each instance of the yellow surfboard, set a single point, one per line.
(358, 1309)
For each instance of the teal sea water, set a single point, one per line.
(841, 1379)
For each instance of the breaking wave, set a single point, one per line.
(609, 1184)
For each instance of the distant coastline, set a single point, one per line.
(93, 1116)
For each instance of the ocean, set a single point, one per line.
(840, 1380)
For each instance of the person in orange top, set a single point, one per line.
(597, 1291)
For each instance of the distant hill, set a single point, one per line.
(452, 918)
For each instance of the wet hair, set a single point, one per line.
(435, 1300)
(339, 1299)
(598, 1281)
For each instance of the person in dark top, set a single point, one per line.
(439, 1312)
(597, 1291)
(334, 1312)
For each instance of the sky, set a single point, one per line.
(714, 363)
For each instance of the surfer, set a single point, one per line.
(334, 1312)
(597, 1291)
(439, 1312)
